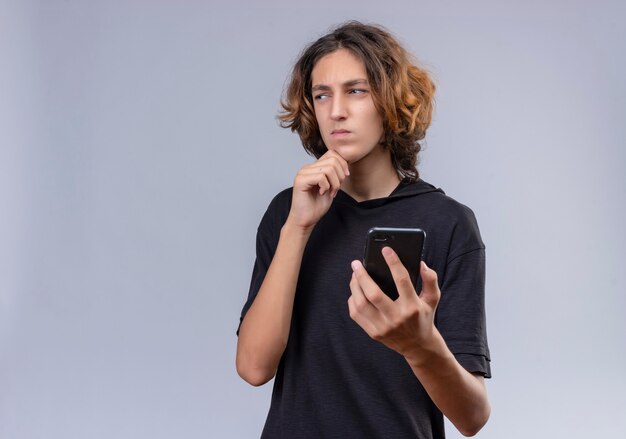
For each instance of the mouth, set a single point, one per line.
(340, 133)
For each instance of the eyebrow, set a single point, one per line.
(349, 83)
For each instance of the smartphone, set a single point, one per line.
(406, 242)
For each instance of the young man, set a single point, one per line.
(347, 360)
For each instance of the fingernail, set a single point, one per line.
(355, 265)
(387, 251)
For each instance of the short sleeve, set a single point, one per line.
(267, 237)
(460, 316)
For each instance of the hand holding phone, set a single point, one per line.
(408, 244)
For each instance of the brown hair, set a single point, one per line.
(402, 92)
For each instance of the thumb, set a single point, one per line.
(430, 287)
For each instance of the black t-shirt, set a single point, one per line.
(333, 380)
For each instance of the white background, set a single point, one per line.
(139, 149)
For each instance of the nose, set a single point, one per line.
(339, 110)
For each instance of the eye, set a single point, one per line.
(357, 91)
(320, 97)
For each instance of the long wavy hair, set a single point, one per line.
(403, 93)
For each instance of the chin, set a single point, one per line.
(348, 152)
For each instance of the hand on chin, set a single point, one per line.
(345, 151)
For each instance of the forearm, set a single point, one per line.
(265, 328)
(460, 395)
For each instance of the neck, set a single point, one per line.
(371, 177)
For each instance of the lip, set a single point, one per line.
(340, 133)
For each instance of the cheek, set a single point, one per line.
(375, 123)
(320, 117)
(369, 114)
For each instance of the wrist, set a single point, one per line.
(429, 354)
(296, 231)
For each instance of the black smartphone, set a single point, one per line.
(408, 245)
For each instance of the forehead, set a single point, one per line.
(338, 66)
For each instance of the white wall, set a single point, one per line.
(139, 149)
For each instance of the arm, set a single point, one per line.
(407, 326)
(265, 328)
(460, 395)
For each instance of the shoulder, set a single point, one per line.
(454, 221)
(276, 213)
(459, 214)
(445, 208)
(281, 203)
(464, 231)
(466, 235)
(282, 198)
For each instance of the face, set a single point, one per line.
(347, 117)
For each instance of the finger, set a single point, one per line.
(340, 166)
(339, 171)
(362, 311)
(342, 161)
(329, 171)
(430, 286)
(365, 324)
(332, 168)
(363, 305)
(330, 159)
(399, 273)
(333, 178)
(324, 184)
(311, 180)
(371, 290)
